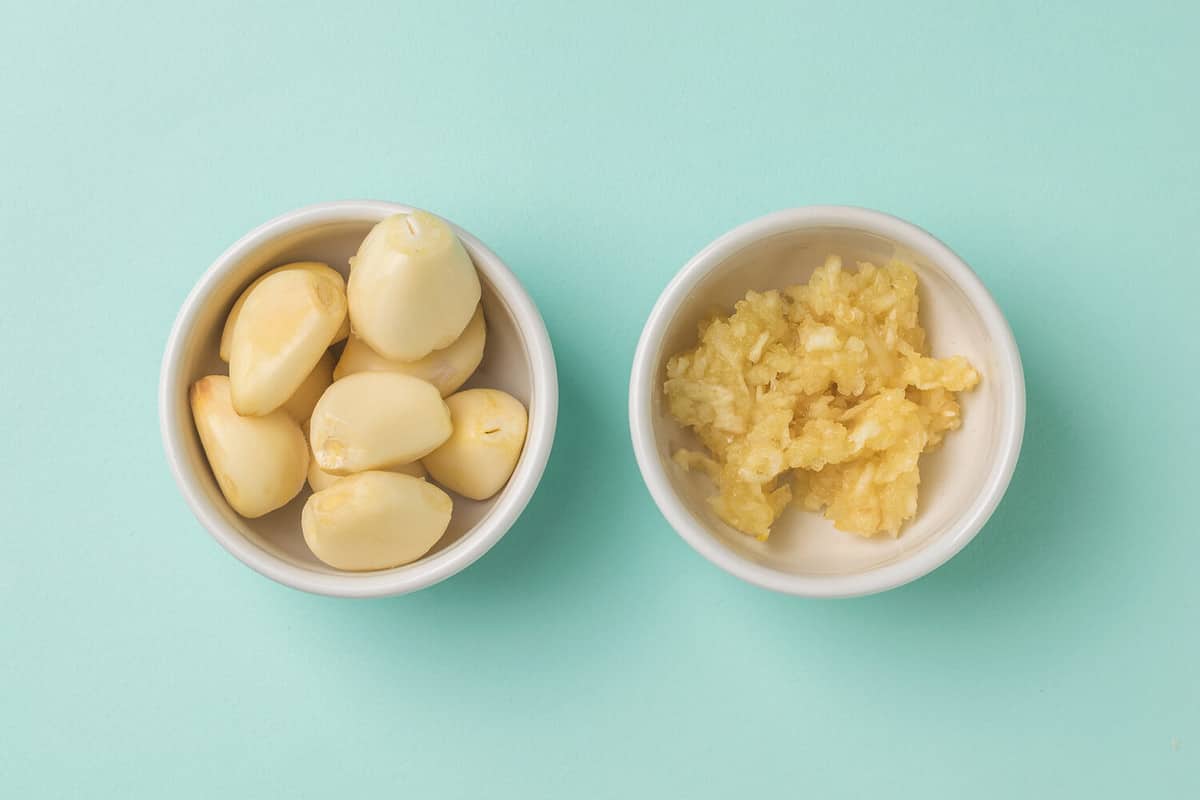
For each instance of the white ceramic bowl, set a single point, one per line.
(518, 359)
(960, 484)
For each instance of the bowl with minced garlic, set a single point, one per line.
(827, 402)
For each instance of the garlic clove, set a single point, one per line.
(259, 462)
(374, 420)
(312, 266)
(482, 452)
(284, 328)
(375, 520)
(412, 287)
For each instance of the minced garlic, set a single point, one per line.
(822, 392)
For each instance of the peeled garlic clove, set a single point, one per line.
(489, 434)
(315, 267)
(259, 462)
(412, 287)
(302, 402)
(285, 326)
(320, 480)
(375, 520)
(374, 420)
(447, 369)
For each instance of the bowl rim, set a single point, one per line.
(643, 379)
(476, 541)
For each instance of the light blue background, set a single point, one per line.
(592, 653)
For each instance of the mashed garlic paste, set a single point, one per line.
(821, 392)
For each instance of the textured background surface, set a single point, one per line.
(592, 653)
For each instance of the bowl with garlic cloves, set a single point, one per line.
(358, 399)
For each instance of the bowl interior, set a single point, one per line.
(802, 542)
(506, 365)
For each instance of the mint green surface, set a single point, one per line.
(592, 653)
